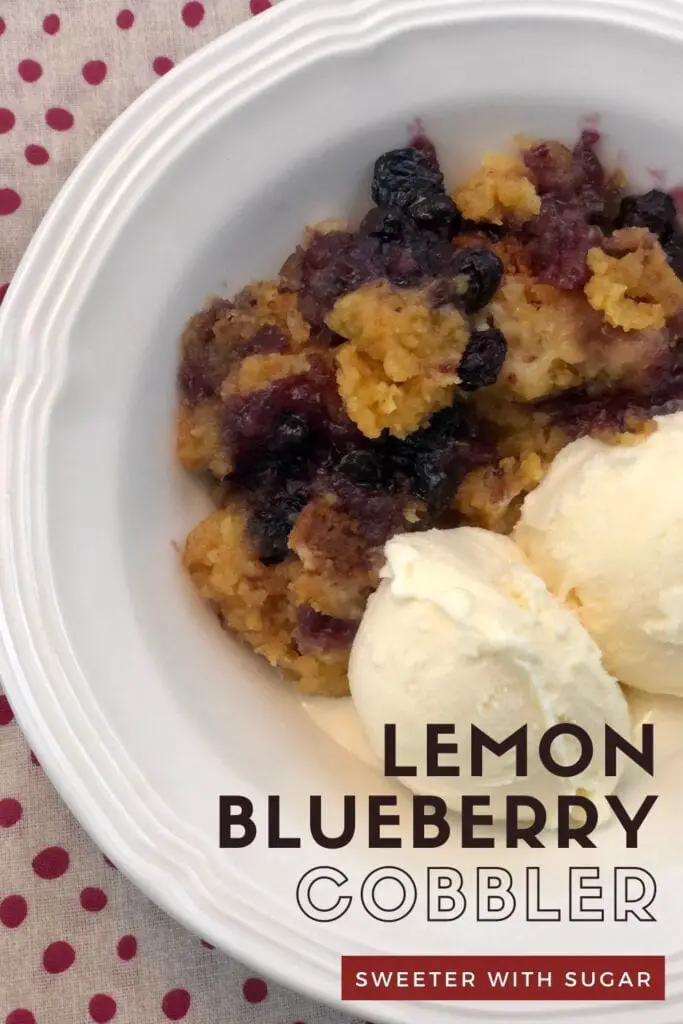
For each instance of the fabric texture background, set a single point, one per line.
(78, 942)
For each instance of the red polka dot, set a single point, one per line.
(259, 6)
(13, 910)
(207, 945)
(6, 713)
(10, 809)
(58, 119)
(176, 1003)
(109, 862)
(10, 201)
(162, 65)
(51, 862)
(94, 72)
(7, 120)
(3, 26)
(255, 990)
(93, 899)
(125, 19)
(29, 70)
(101, 1008)
(58, 957)
(127, 947)
(51, 24)
(36, 155)
(3, 293)
(20, 1017)
(193, 13)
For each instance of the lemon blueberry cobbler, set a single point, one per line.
(422, 370)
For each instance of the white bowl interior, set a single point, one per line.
(195, 713)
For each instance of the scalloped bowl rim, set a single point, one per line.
(31, 653)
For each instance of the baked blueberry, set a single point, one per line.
(436, 213)
(362, 467)
(477, 274)
(674, 253)
(323, 634)
(289, 432)
(654, 210)
(482, 359)
(269, 527)
(387, 224)
(402, 176)
(428, 457)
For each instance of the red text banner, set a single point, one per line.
(487, 978)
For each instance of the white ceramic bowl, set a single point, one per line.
(139, 707)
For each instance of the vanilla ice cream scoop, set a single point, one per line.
(462, 631)
(605, 531)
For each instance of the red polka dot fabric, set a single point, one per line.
(77, 941)
(66, 70)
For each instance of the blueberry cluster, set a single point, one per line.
(406, 238)
(577, 197)
(580, 204)
(293, 439)
(656, 211)
(414, 213)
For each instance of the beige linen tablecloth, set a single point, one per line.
(77, 942)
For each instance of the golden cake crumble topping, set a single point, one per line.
(423, 369)
(499, 191)
(399, 364)
(635, 288)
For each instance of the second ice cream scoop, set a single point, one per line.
(463, 631)
(605, 531)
